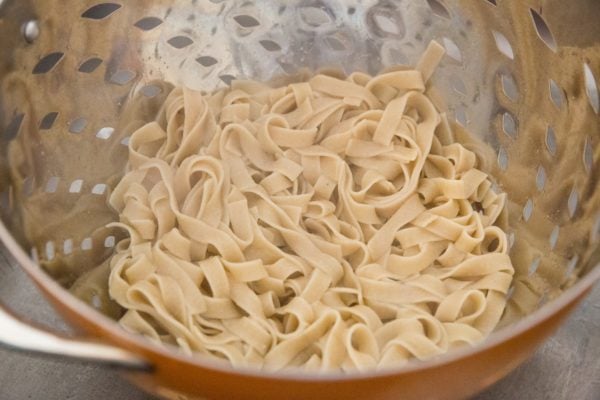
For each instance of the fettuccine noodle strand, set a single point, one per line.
(330, 225)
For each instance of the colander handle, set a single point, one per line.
(15, 334)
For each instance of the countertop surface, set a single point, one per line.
(566, 367)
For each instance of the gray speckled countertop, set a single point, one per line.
(567, 367)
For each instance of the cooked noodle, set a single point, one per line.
(329, 224)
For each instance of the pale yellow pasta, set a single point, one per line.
(328, 225)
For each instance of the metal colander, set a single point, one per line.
(520, 75)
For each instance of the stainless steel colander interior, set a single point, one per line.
(521, 75)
